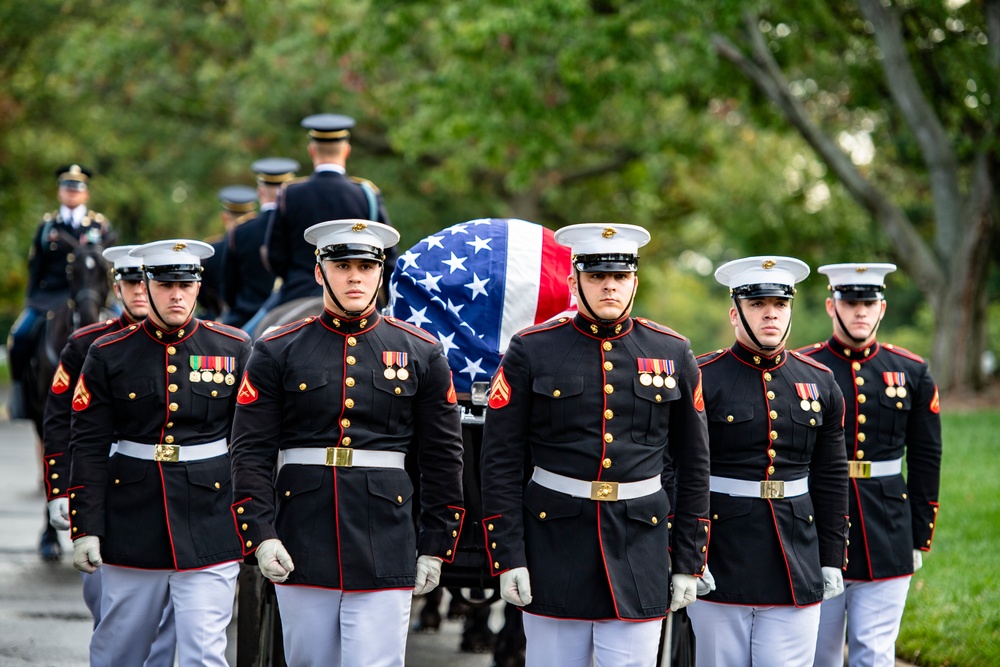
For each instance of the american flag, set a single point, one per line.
(475, 284)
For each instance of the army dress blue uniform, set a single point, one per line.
(892, 415)
(160, 504)
(578, 407)
(327, 194)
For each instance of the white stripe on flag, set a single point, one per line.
(524, 267)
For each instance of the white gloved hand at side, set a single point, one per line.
(87, 553)
(515, 586)
(274, 561)
(59, 513)
(918, 560)
(833, 582)
(683, 590)
(428, 574)
(707, 582)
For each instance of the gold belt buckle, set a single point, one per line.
(167, 453)
(604, 490)
(339, 457)
(772, 489)
(859, 469)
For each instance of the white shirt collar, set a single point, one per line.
(268, 206)
(329, 166)
(73, 215)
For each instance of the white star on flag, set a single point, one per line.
(478, 286)
(430, 282)
(457, 229)
(479, 244)
(473, 368)
(409, 259)
(447, 342)
(455, 307)
(456, 263)
(433, 241)
(418, 317)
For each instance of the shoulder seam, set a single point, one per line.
(659, 328)
(227, 330)
(903, 352)
(543, 326)
(286, 329)
(811, 362)
(411, 329)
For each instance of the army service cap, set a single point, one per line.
(857, 282)
(125, 266)
(328, 126)
(601, 248)
(351, 239)
(238, 198)
(754, 277)
(275, 170)
(173, 261)
(73, 177)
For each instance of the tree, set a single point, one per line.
(933, 115)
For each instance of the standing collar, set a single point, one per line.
(598, 330)
(348, 326)
(758, 359)
(852, 353)
(172, 336)
(329, 166)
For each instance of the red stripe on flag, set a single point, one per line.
(553, 292)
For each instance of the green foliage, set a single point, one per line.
(952, 613)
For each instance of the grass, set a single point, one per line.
(953, 611)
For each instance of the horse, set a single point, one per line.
(90, 286)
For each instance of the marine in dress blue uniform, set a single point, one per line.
(131, 293)
(893, 412)
(246, 281)
(239, 204)
(155, 515)
(327, 194)
(595, 467)
(59, 233)
(335, 405)
(779, 479)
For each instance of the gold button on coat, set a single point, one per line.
(349, 403)
(861, 398)
(774, 435)
(346, 442)
(249, 543)
(397, 391)
(171, 387)
(856, 366)
(767, 377)
(729, 418)
(770, 470)
(770, 395)
(608, 437)
(131, 394)
(608, 414)
(218, 486)
(608, 389)
(302, 386)
(171, 368)
(859, 381)
(345, 423)
(772, 453)
(606, 463)
(606, 345)
(608, 365)
(169, 439)
(557, 393)
(240, 510)
(352, 341)
(351, 360)
(173, 407)
(171, 349)
(862, 419)
(861, 437)
(654, 520)
(214, 393)
(860, 454)
(245, 526)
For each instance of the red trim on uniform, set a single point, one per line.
(236, 525)
(659, 328)
(226, 330)
(864, 531)
(708, 541)
(166, 513)
(546, 326)
(721, 355)
(454, 545)
(903, 352)
(626, 322)
(781, 545)
(924, 547)
(48, 477)
(289, 328)
(412, 330)
(486, 539)
(117, 336)
(812, 362)
(604, 559)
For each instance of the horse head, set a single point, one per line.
(90, 283)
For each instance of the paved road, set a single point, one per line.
(43, 620)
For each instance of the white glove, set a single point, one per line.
(707, 583)
(918, 560)
(683, 590)
(833, 582)
(59, 513)
(87, 553)
(428, 574)
(515, 586)
(274, 561)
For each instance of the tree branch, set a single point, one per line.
(764, 71)
(939, 156)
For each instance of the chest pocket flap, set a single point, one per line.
(655, 394)
(133, 388)
(301, 380)
(558, 386)
(807, 418)
(734, 413)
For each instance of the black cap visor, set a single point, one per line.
(129, 273)
(759, 290)
(174, 273)
(858, 292)
(352, 251)
(607, 263)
